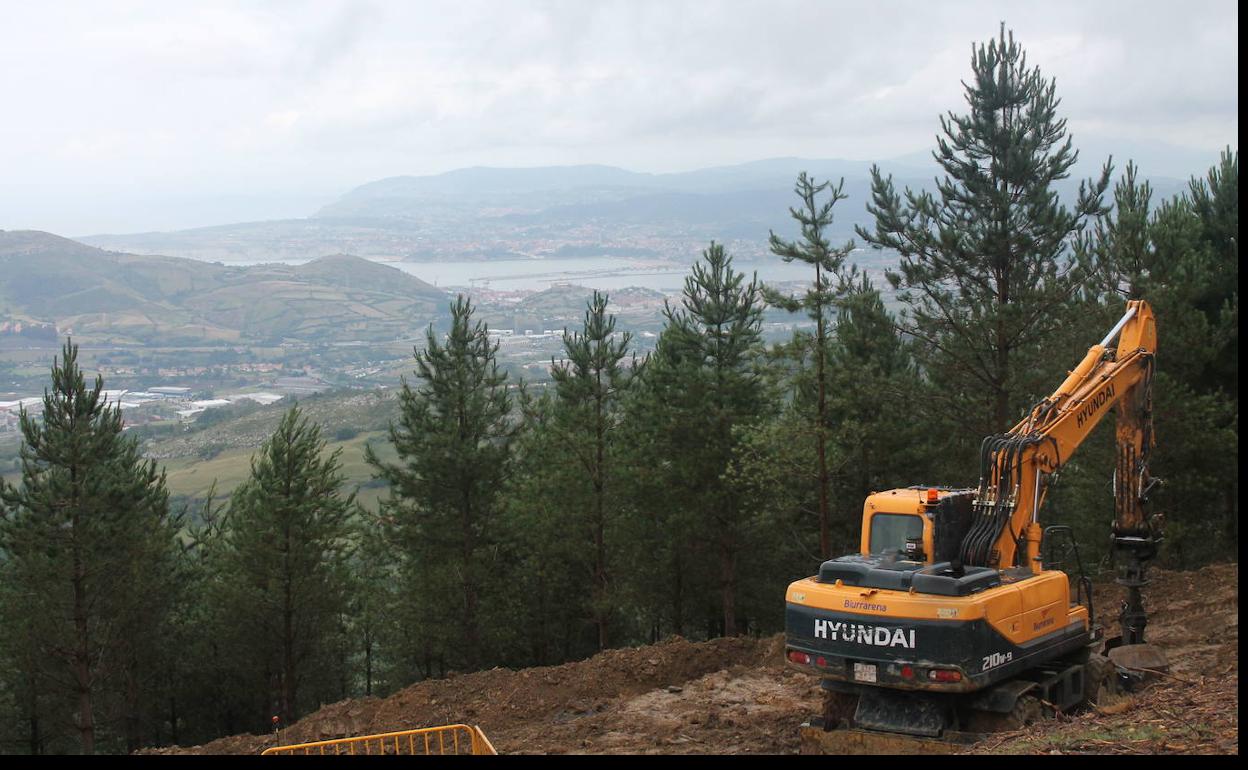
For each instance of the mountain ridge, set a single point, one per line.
(486, 213)
(145, 299)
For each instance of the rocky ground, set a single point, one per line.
(730, 696)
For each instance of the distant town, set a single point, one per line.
(178, 385)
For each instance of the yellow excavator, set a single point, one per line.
(956, 617)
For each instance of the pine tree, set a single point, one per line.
(819, 303)
(701, 385)
(144, 618)
(191, 672)
(1215, 202)
(453, 439)
(873, 442)
(1123, 257)
(986, 269)
(878, 441)
(1182, 257)
(550, 516)
(588, 386)
(374, 595)
(83, 527)
(287, 538)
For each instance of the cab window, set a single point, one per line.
(889, 531)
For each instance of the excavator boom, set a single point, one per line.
(1016, 466)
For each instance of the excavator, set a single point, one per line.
(957, 617)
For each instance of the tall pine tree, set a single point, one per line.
(819, 302)
(986, 269)
(453, 439)
(588, 386)
(700, 388)
(873, 377)
(81, 536)
(287, 537)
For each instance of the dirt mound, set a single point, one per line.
(640, 699)
(736, 696)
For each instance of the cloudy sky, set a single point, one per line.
(125, 116)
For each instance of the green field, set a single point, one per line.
(191, 477)
(219, 449)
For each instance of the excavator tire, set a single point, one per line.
(1102, 681)
(838, 709)
(1027, 709)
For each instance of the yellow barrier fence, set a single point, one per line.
(449, 739)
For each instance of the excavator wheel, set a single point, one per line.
(1102, 681)
(1027, 709)
(838, 709)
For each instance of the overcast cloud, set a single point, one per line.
(124, 116)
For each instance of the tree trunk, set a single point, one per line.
(728, 585)
(82, 653)
(288, 685)
(678, 597)
(472, 641)
(134, 737)
(368, 664)
(36, 741)
(1002, 395)
(825, 515)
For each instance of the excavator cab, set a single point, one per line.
(919, 524)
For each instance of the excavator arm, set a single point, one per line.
(1016, 466)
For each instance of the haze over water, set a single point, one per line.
(604, 273)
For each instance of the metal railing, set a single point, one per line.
(449, 739)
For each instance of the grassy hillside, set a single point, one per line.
(108, 297)
(218, 447)
(192, 477)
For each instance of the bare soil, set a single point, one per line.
(731, 696)
(1193, 709)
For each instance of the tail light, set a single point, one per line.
(944, 675)
(798, 657)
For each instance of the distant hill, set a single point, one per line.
(558, 211)
(355, 273)
(535, 189)
(106, 295)
(509, 213)
(273, 240)
(369, 199)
